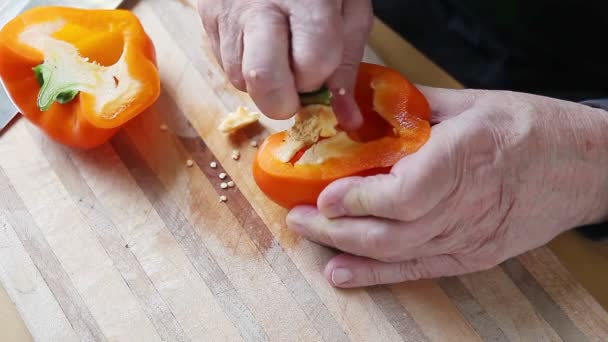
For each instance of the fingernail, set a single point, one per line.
(341, 276)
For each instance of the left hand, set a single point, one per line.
(502, 173)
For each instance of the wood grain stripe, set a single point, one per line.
(27, 289)
(47, 263)
(395, 313)
(117, 249)
(485, 326)
(542, 302)
(274, 254)
(190, 242)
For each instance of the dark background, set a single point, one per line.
(552, 48)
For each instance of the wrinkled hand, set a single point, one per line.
(274, 49)
(502, 173)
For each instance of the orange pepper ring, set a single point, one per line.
(384, 96)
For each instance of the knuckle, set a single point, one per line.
(374, 275)
(413, 270)
(264, 80)
(408, 271)
(317, 44)
(261, 16)
(232, 67)
(360, 201)
(328, 237)
(405, 204)
(204, 6)
(210, 26)
(208, 14)
(365, 24)
(374, 240)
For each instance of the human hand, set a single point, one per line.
(274, 49)
(502, 173)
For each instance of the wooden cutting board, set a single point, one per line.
(128, 243)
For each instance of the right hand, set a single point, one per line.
(274, 49)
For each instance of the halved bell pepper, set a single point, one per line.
(396, 123)
(78, 74)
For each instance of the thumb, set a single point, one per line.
(416, 184)
(448, 103)
(348, 271)
(358, 19)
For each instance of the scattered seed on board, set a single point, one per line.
(223, 199)
(164, 127)
(231, 184)
(190, 163)
(224, 185)
(223, 175)
(236, 155)
(213, 165)
(253, 143)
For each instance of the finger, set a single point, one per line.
(231, 50)
(448, 103)
(416, 184)
(266, 68)
(208, 13)
(357, 16)
(380, 239)
(316, 41)
(347, 271)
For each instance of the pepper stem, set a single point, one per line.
(319, 97)
(53, 87)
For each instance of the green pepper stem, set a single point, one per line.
(52, 87)
(319, 97)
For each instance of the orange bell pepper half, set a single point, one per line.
(396, 123)
(78, 74)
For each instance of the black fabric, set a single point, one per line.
(553, 48)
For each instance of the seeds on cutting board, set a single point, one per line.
(253, 143)
(223, 175)
(236, 155)
(223, 199)
(213, 165)
(224, 185)
(231, 184)
(190, 163)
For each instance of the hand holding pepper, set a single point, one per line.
(502, 173)
(275, 49)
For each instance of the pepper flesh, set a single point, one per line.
(78, 74)
(396, 123)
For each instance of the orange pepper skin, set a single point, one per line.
(100, 35)
(396, 123)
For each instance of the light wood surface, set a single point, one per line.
(127, 243)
